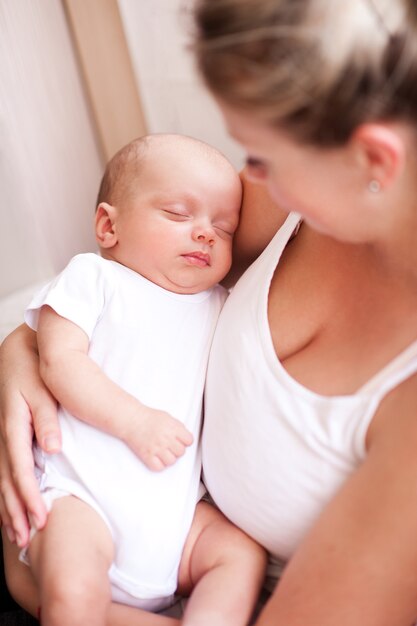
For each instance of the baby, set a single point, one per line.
(123, 340)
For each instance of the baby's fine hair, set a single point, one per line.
(121, 178)
(319, 68)
(121, 172)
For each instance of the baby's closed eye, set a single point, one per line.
(176, 215)
(224, 229)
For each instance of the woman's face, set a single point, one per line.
(323, 185)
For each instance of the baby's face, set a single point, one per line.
(177, 230)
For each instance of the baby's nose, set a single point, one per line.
(204, 234)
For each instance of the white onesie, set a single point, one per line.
(275, 452)
(154, 344)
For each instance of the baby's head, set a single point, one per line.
(168, 207)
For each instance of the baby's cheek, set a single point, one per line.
(227, 260)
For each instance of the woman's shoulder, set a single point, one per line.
(396, 416)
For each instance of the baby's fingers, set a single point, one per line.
(184, 436)
(171, 453)
(165, 456)
(154, 463)
(177, 447)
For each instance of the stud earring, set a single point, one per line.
(374, 186)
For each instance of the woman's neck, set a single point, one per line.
(397, 257)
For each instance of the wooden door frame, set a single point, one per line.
(100, 43)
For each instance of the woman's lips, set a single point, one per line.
(201, 259)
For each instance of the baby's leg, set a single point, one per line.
(22, 587)
(223, 567)
(70, 559)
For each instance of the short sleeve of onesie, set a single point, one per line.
(78, 293)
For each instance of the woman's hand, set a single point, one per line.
(26, 406)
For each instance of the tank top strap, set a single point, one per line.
(267, 261)
(285, 233)
(292, 225)
(394, 373)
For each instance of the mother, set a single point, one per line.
(311, 433)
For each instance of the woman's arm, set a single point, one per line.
(25, 406)
(359, 563)
(260, 218)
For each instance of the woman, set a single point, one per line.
(310, 431)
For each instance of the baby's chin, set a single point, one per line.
(191, 284)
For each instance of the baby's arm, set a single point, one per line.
(84, 390)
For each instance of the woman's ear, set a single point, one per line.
(380, 150)
(105, 225)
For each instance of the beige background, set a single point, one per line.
(78, 78)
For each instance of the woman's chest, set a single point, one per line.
(334, 323)
(273, 452)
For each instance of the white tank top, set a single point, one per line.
(275, 452)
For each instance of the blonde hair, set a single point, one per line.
(318, 67)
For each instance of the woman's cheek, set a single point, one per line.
(283, 200)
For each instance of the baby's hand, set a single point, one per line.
(158, 439)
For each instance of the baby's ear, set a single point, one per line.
(106, 235)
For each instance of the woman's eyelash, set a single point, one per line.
(252, 161)
(255, 163)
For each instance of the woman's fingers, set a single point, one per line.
(26, 406)
(45, 420)
(19, 487)
(12, 511)
(5, 520)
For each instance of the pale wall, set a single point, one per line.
(173, 97)
(49, 162)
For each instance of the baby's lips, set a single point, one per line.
(201, 259)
